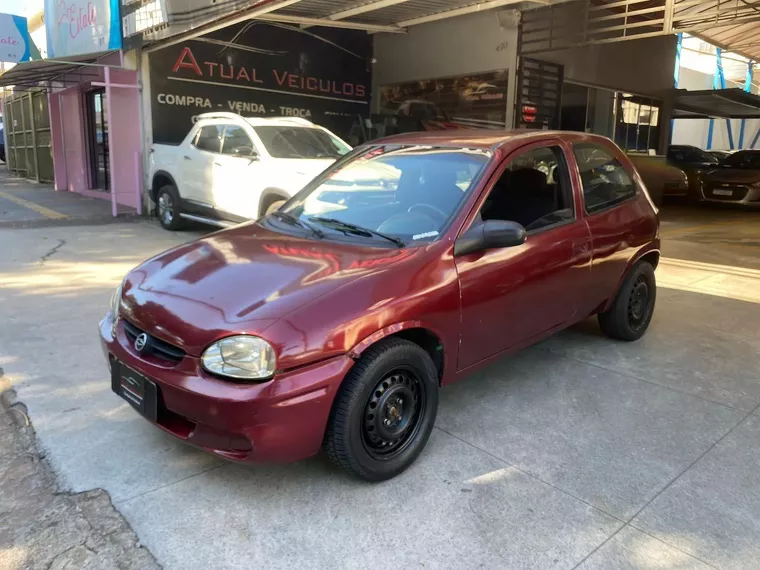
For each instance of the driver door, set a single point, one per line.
(237, 176)
(511, 296)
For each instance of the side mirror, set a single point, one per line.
(491, 234)
(245, 152)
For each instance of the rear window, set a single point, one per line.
(606, 182)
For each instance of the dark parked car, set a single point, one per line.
(695, 163)
(736, 180)
(334, 320)
(720, 154)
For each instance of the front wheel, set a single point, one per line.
(384, 411)
(631, 312)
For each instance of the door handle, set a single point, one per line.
(217, 164)
(581, 247)
(187, 157)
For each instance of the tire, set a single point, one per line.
(274, 206)
(398, 379)
(631, 312)
(167, 206)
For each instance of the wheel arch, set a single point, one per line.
(160, 179)
(651, 255)
(418, 333)
(269, 196)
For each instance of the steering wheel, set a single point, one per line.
(426, 209)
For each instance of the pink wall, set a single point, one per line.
(69, 144)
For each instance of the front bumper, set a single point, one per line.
(280, 420)
(741, 195)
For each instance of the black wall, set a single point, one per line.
(322, 74)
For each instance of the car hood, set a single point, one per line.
(733, 176)
(241, 280)
(302, 167)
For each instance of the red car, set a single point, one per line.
(335, 320)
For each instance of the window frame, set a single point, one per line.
(563, 164)
(247, 134)
(616, 156)
(198, 136)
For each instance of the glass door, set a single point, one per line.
(97, 112)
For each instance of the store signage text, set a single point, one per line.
(214, 70)
(15, 43)
(79, 18)
(76, 27)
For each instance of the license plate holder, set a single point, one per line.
(135, 388)
(723, 192)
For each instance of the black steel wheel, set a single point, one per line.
(633, 307)
(392, 414)
(384, 411)
(167, 202)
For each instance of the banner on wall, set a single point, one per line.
(15, 44)
(77, 27)
(260, 69)
(466, 101)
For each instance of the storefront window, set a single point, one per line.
(637, 127)
(631, 120)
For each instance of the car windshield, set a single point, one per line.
(300, 142)
(748, 160)
(408, 193)
(690, 154)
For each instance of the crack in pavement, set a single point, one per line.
(53, 251)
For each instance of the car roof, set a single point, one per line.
(279, 121)
(256, 121)
(482, 138)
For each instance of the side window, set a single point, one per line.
(605, 181)
(236, 142)
(209, 138)
(534, 190)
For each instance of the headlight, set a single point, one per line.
(245, 357)
(116, 301)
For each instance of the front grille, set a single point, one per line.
(154, 347)
(737, 193)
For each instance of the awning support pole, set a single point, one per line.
(676, 79)
(757, 136)
(748, 89)
(109, 114)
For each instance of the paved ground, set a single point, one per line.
(28, 204)
(42, 528)
(577, 453)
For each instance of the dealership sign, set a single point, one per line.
(76, 27)
(259, 69)
(15, 44)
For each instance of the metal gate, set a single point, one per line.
(539, 94)
(27, 124)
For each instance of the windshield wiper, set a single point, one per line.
(347, 228)
(294, 221)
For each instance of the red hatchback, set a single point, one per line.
(405, 266)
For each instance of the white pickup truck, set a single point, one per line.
(231, 169)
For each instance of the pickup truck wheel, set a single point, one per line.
(631, 312)
(168, 208)
(384, 411)
(274, 206)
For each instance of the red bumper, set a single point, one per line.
(280, 420)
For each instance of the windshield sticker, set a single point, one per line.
(425, 235)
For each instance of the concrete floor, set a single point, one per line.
(580, 452)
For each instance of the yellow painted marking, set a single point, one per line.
(42, 210)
